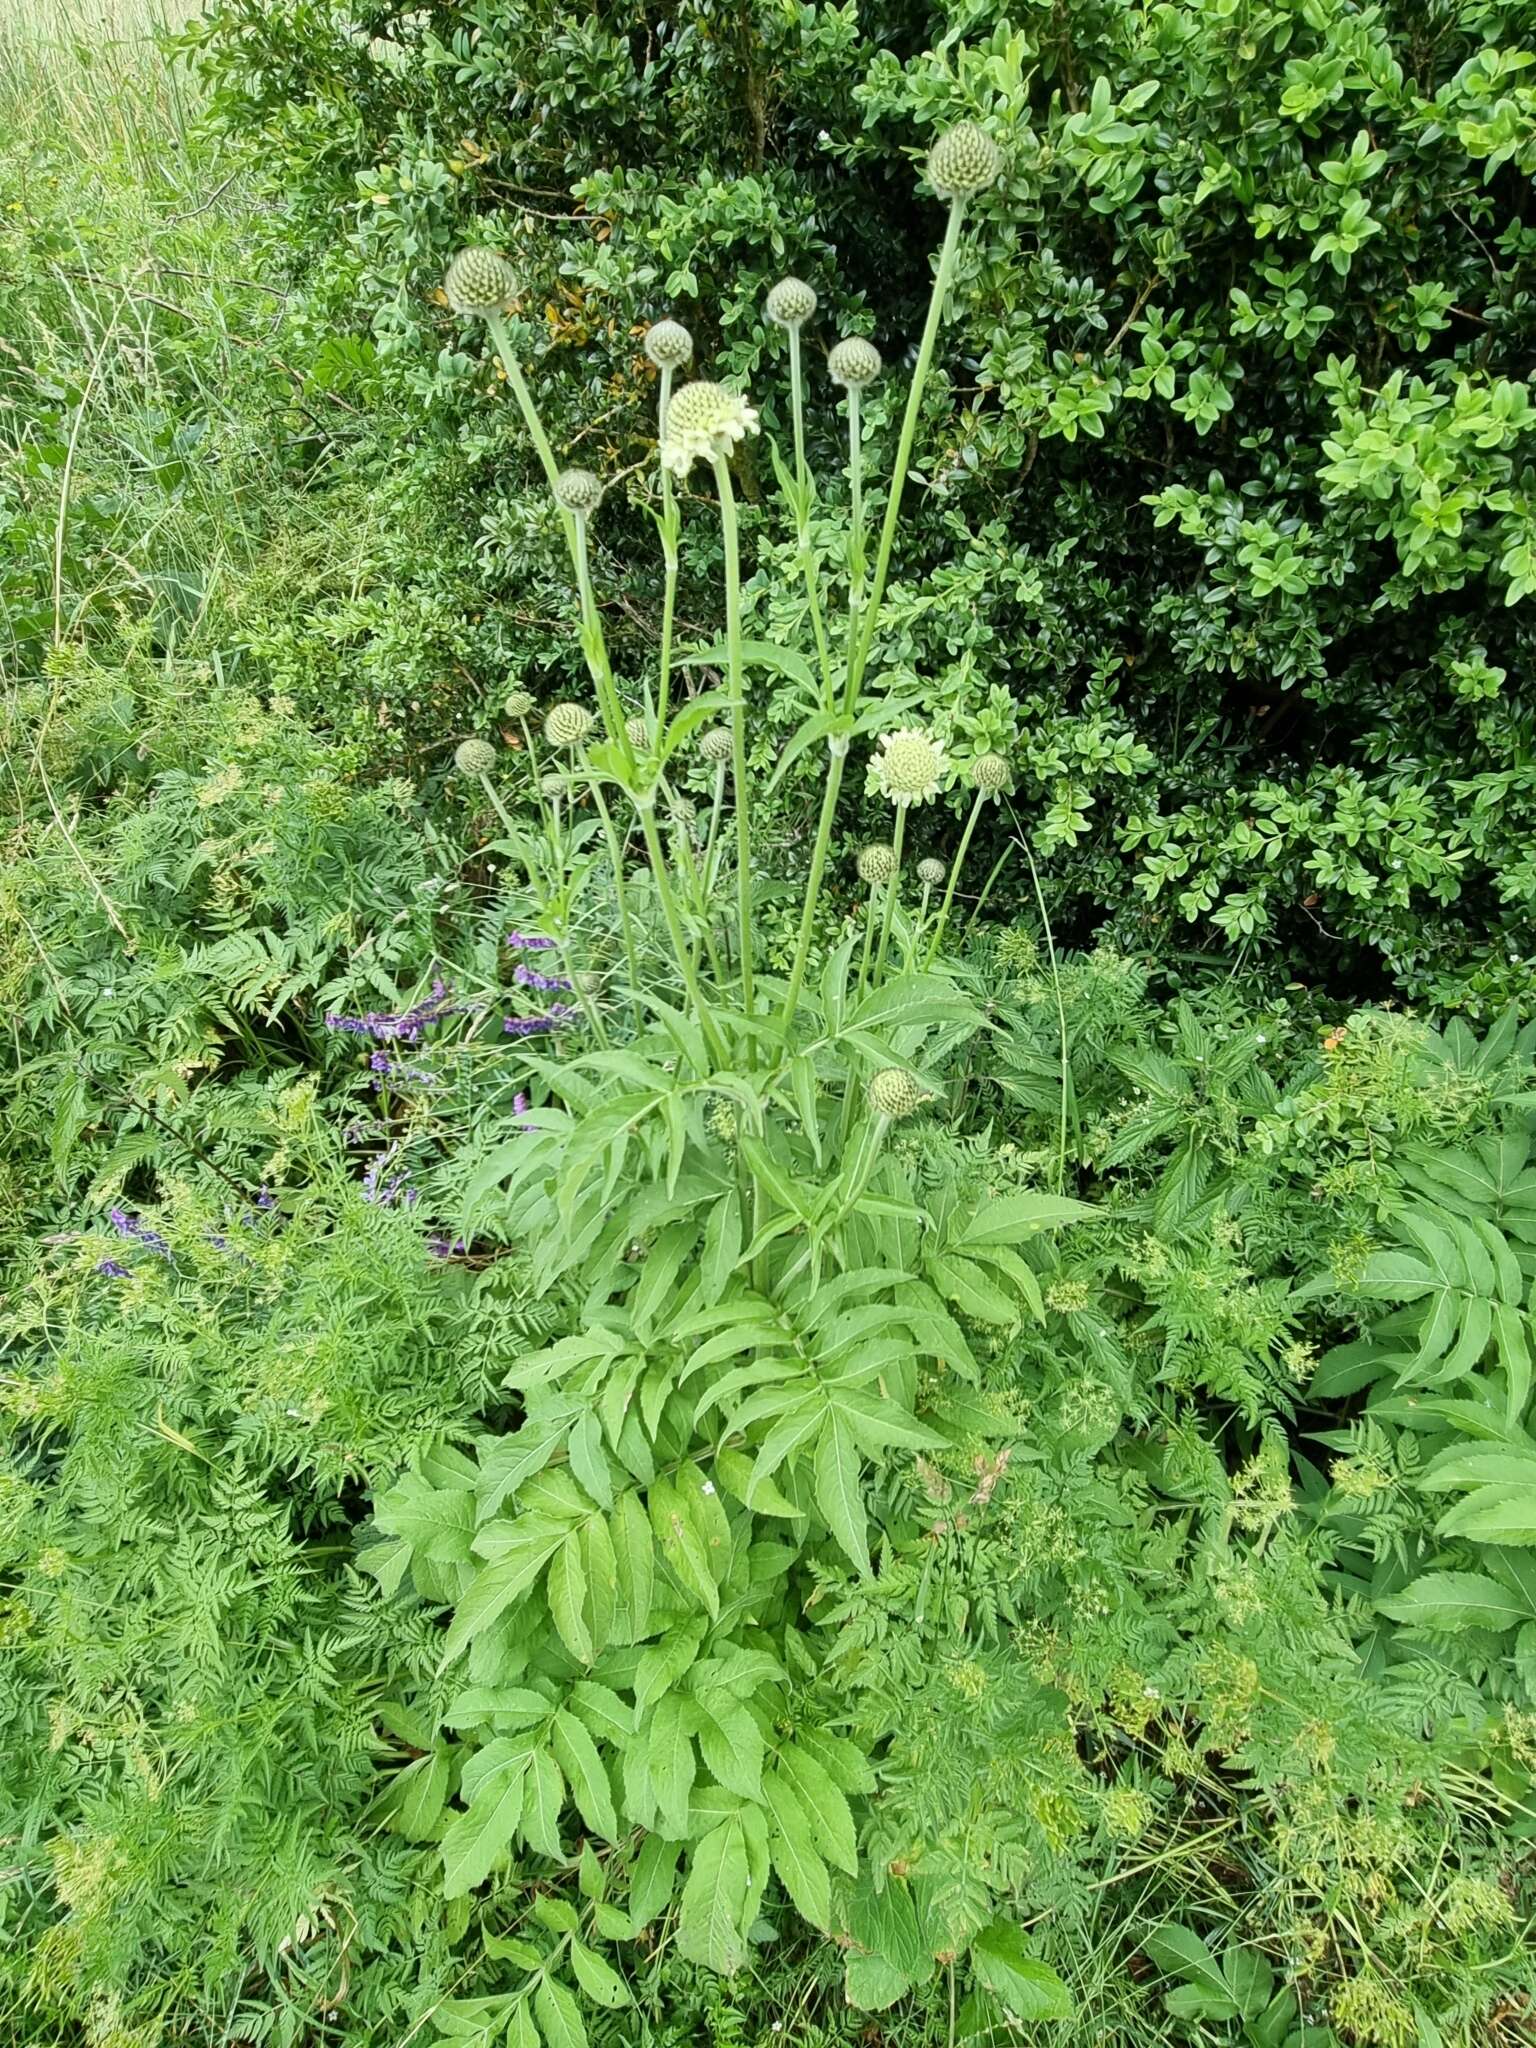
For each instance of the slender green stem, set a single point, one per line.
(909, 421)
(892, 891)
(922, 917)
(533, 765)
(954, 878)
(735, 667)
(1061, 1013)
(616, 855)
(597, 647)
(797, 409)
(669, 558)
(813, 880)
(869, 939)
(503, 340)
(501, 809)
(680, 947)
(857, 539)
(711, 844)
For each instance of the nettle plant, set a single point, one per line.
(751, 1311)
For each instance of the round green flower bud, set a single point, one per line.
(552, 785)
(474, 757)
(579, 491)
(567, 725)
(638, 733)
(855, 363)
(990, 774)
(964, 161)
(894, 1093)
(931, 873)
(717, 745)
(704, 423)
(519, 703)
(685, 813)
(668, 344)
(791, 302)
(876, 864)
(479, 283)
(910, 767)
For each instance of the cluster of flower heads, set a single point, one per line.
(705, 421)
(405, 1025)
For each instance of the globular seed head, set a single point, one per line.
(716, 745)
(990, 774)
(895, 1093)
(876, 864)
(518, 704)
(567, 725)
(791, 302)
(931, 873)
(479, 282)
(668, 344)
(638, 733)
(474, 757)
(854, 363)
(964, 161)
(579, 491)
(552, 785)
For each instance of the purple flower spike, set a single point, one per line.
(529, 979)
(528, 1027)
(111, 1269)
(138, 1233)
(529, 942)
(407, 1025)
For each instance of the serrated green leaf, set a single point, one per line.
(600, 1981)
(831, 1822)
(795, 1855)
(839, 1492)
(478, 1838)
(559, 2015)
(1028, 1989)
(1448, 1601)
(577, 1755)
(567, 1592)
(544, 1795)
(710, 1929)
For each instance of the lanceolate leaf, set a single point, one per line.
(839, 1494)
(710, 1929)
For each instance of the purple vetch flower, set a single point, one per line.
(529, 1027)
(407, 1025)
(385, 1193)
(520, 1110)
(397, 1070)
(529, 979)
(112, 1269)
(138, 1233)
(446, 1247)
(265, 1199)
(530, 942)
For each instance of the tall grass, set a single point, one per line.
(88, 73)
(132, 328)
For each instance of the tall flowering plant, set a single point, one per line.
(759, 1318)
